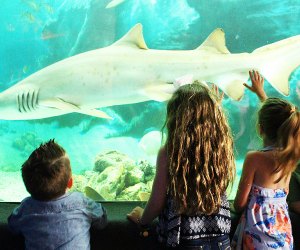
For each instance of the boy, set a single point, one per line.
(51, 218)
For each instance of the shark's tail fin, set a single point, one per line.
(278, 61)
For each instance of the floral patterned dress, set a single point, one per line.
(265, 223)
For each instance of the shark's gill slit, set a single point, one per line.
(18, 103)
(28, 101)
(36, 101)
(22, 102)
(32, 100)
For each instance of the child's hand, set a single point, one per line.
(135, 215)
(257, 85)
(215, 90)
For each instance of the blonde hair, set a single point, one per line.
(280, 122)
(200, 150)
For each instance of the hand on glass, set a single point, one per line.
(257, 87)
(219, 95)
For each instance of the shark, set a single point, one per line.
(114, 3)
(129, 72)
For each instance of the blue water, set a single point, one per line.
(35, 34)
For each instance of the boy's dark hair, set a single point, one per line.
(47, 171)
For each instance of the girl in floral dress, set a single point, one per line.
(263, 187)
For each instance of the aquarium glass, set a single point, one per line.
(114, 159)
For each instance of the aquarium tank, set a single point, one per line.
(68, 71)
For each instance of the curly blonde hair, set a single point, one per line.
(199, 146)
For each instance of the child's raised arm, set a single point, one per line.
(257, 86)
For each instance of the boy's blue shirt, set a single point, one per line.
(63, 223)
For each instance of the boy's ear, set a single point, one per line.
(70, 183)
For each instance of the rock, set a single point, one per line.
(148, 169)
(110, 182)
(27, 143)
(144, 196)
(132, 192)
(79, 183)
(93, 194)
(134, 176)
(111, 158)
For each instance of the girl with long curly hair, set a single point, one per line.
(194, 169)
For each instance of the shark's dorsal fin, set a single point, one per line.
(134, 37)
(216, 42)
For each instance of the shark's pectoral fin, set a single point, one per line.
(59, 103)
(234, 89)
(159, 92)
(215, 42)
